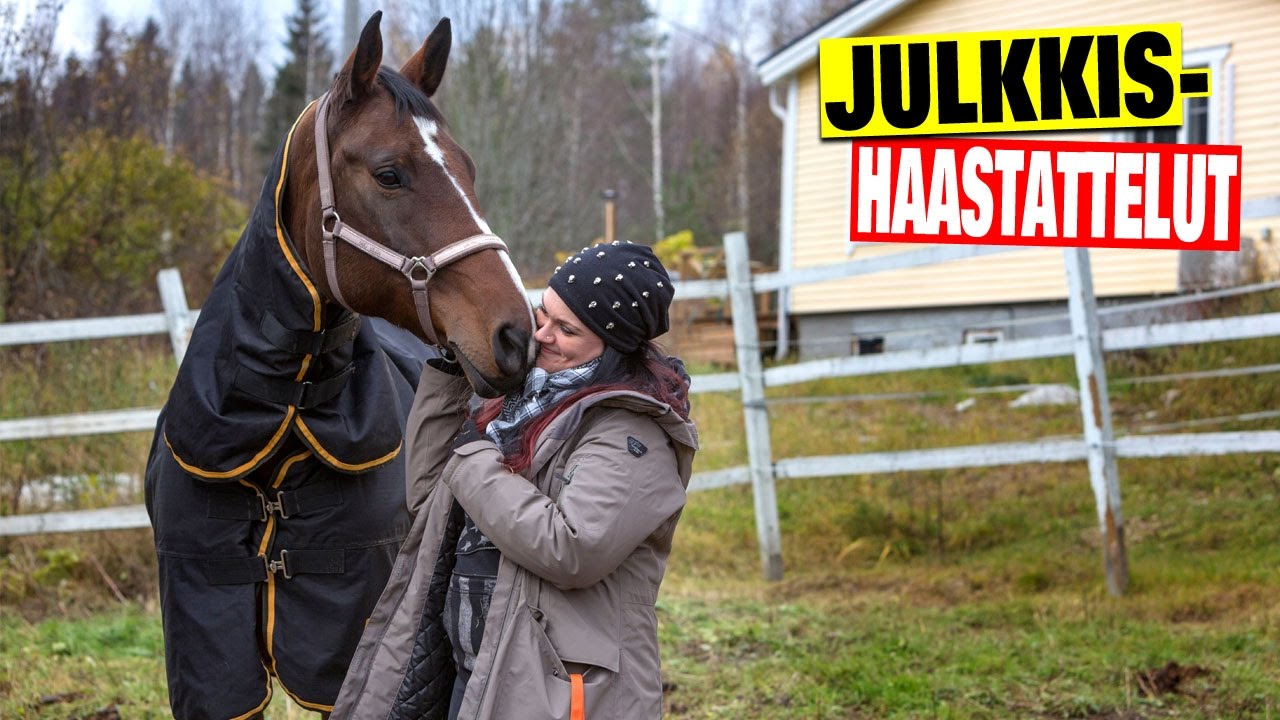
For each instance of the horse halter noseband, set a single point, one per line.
(419, 270)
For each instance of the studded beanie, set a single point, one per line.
(620, 291)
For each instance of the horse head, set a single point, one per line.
(400, 216)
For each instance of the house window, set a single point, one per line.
(985, 335)
(867, 344)
(1194, 130)
(1202, 121)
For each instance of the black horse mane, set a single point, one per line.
(408, 97)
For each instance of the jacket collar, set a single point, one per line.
(566, 425)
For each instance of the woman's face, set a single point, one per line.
(563, 341)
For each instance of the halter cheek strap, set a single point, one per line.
(418, 270)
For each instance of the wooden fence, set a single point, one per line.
(1087, 342)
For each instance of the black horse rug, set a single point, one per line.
(276, 481)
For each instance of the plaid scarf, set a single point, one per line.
(541, 391)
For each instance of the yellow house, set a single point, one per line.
(973, 299)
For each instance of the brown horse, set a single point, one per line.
(414, 185)
(276, 479)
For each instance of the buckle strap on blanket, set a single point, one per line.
(256, 568)
(305, 342)
(235, 506)
(302, 395)
(287, 503)
(306, 499)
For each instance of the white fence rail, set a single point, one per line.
(118, 518)
(1087, 342)
(176, 321)
(762, 470)
(103, 422)
(86, 329)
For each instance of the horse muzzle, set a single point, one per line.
(510, 345)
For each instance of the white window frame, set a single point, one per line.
(976, 336)
(1221, 116)
(855, 343)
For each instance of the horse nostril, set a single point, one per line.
(511, 349)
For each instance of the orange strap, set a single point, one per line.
(577, 698)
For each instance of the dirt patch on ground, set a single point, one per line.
(45, 703)
(1172, 679)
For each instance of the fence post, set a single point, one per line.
(176, 313)
(1095, 407)
(746, 341)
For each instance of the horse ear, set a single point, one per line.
(426, 67)
(356, 77)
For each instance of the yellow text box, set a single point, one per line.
(1008, 81)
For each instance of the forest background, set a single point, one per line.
(149, 150)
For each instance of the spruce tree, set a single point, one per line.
(247, 171)
(305, 74)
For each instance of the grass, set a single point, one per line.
(996, 610)
(973, 593)
(78, 377)
(1018, 657)
(72, 668)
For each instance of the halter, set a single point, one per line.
(419, 270)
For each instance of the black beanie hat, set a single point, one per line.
(620, 291)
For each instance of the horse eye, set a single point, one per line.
(387, 178)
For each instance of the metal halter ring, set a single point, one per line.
(423, 264)
(330, 214)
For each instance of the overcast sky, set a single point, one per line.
(79, 19)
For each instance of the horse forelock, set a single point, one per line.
(408, 97)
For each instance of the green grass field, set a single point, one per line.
(958, 594)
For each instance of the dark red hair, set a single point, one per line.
(647, 371)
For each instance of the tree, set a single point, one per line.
(72, 101)
(27, 140)
(146, 87)
(115, 199)
(109, 107)
(305, 74)
(90, 204)
(215, 107)
(202, 118)
(247, 167)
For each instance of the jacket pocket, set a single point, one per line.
(561, 675)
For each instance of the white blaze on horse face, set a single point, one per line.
(428, 129)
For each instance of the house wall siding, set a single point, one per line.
(1249, 27)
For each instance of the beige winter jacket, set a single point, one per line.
(584, 535)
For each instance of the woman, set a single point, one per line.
(527, 587)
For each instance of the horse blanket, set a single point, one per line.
(275, 482)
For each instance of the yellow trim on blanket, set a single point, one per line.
(306, 361)
(265, 546)
(280, 238)
(304, 703)
(335, 462)
(271, 590)
(236, 472)
(263, 705)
